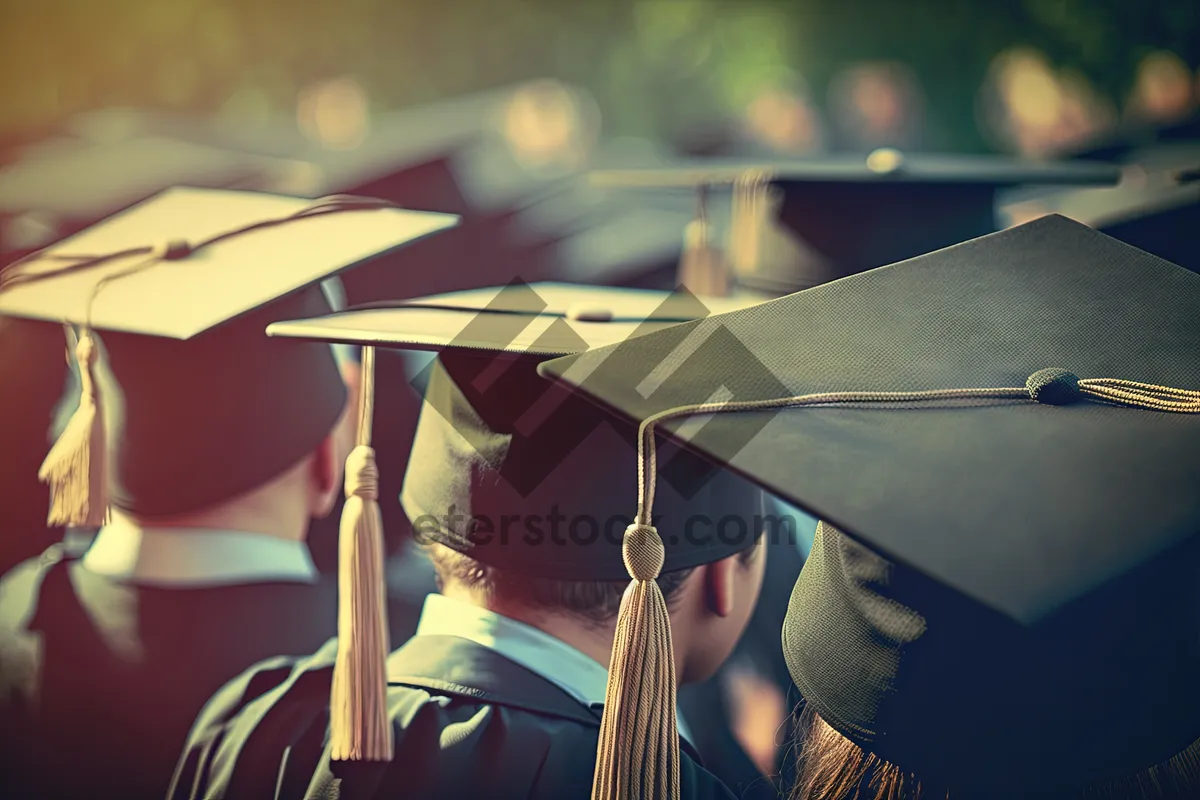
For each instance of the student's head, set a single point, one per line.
(229, 417)
(526, 491)
(710, 604)
(912, 694)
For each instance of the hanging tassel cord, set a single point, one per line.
(76, 468)
(749, 218)
(360, 726)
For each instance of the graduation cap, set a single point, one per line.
(182, 286)
(510, 469)
(1132, 141)
(64, 184)
(1017, 548)
(851, 214)
(1153, 211)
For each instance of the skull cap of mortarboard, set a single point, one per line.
(1009, 601)
(181, 287)
(495, 441)
(853, 213)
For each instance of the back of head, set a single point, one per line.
(207, 419)
(912, 693)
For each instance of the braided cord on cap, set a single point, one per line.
(360, 729)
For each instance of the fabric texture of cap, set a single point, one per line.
(517, 472)
(1038, 632)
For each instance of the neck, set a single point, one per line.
(269, 510)
(594, 640)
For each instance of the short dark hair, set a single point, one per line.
(831, 767)
(594, 602)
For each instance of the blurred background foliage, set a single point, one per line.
(798, 76)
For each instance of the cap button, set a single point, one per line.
(173, 250)
(1054, 386)
(885, 161)
(589, 314)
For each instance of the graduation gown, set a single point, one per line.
(468, 723)
(100, 681)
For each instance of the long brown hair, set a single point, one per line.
(831, 767)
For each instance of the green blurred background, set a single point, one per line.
(1027, 76)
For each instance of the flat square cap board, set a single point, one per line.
(853, 214)
(182, 298)
(1009, 479)
(82, 180)
(544, 319)
(995, 566)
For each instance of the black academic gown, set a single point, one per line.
(468, 723)
(104, 710)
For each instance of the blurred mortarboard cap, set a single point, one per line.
(1138, 140)
(1040, 555)
(183, 286)
(61, 185)
(495, 440)
(1154, 211)
(850, 214)
(497, 445)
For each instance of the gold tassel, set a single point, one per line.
(702, 269)
(638, 753)
(361, 729)
(76, 468)
(749, 218)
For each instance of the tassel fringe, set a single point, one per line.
(638, 753)
(361, 729)
(76, 468)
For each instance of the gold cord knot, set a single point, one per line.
(173, 250)
(362, 474)
(643, 552)
(85, 351)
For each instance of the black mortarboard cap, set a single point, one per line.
(1012, 609)
(182, 287)
(852, 214)
(497, 442)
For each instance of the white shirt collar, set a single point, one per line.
(576, 673)
(196, 557)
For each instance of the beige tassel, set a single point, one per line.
(638, 753)
(76, 467)
(750, 217)
(361, 729)
(702, 269)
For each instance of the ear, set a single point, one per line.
(325, 475)
(719, 583)
(329, 459)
